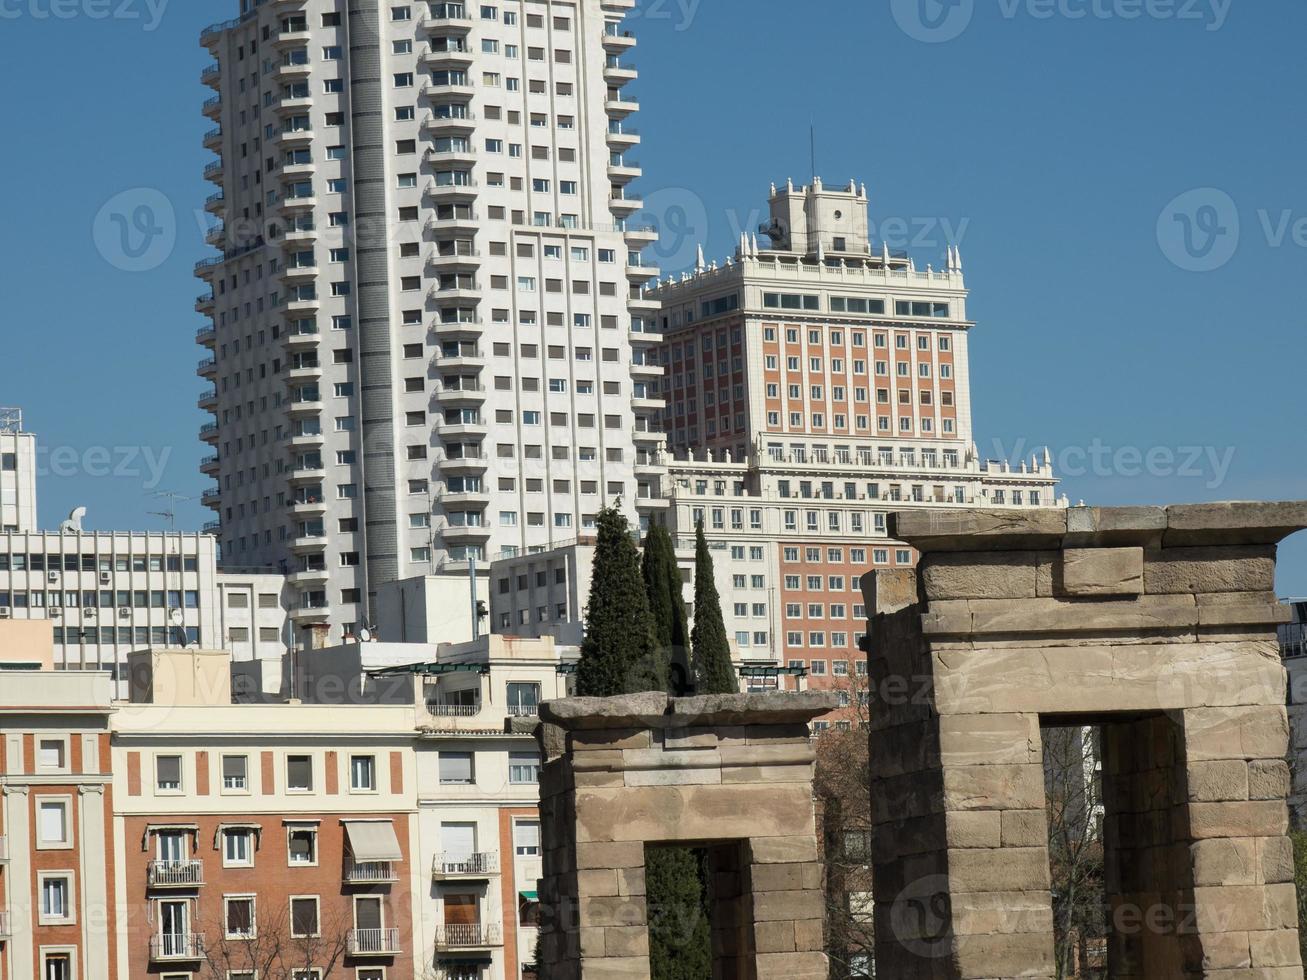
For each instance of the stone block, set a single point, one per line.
(1251, 818)
(609, 910)
(1196, 570)
(1233, 908)
(691, 813)
(672, 777)
(597, 882)
(616, 968)
(1212, 782)
(768, 774)
(1004, 787)
(1278, 947)
(626, 941)
(1001, 913)
(975, 828)
(983, 575)
(782, 849)
(1268, 779)
(786, 877)
(1103, 527)
(979, 529)
(1248, 733)
(1275, 860)
(1224, 861)
(777, 937)
(989, 739)
(1005, 955)
(998, 869)
(778, 906)
(610, 740)
(792, 966)
(609, 855)
(1235, 522)
(1102, 572)
(889, 590)
(809, 935)
(1025, 828)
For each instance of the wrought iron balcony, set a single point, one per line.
(179, 874)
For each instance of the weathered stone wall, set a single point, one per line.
(1157, 623)
(730, 773)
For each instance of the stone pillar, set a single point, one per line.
(731, 774)
(1156, 624)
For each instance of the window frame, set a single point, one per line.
(66, 875)
(66, 802)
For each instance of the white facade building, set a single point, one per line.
(17, 473)
(427, 339)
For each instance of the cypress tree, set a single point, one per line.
(662, 582)
(619, 654)
(680, 943)
(713, 671)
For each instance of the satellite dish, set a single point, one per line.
(365, 635)
(74, 523)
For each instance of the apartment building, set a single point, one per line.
(17, 473)
(108, 593)
(427, 340)
(57, 861)
(240, 828)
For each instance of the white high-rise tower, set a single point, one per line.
(429, 340)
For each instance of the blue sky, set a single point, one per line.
(1123, 178)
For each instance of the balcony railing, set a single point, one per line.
(375, 942)
(177, 946)
(177, 874)
(465, 865)
(369, 872)
(523, 710)
(441, 710)
(468, 935)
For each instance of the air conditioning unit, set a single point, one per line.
(124, 612)
(104, 578)
(89, 612)
(4, 612)
(56, 613)
(52, 577)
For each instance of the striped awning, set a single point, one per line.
(373, 840)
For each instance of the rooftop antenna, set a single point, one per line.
(170, 498)
(169, 515)
(812, 147)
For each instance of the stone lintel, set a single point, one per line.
(653, 710)
(1180, 525)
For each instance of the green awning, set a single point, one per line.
(530, 896)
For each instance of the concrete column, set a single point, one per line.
(96, 911)
(18, 883)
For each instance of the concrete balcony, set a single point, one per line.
(299, 273)
(290, 205)
(306, 508)
(308, 576)
(448, 91)
(211, 75)
(459, 430)
(207, 337)
(470, 498)
(301, 340)
(307, 440)
(302, 408)
(304, 372)
(466, 155)
(213, 500)
(209, 465)
(307, 305)
(458, 329)
(176, 947)
(467, 259)
(310, 614)
(622, 136)
(213, 171)
(214, 203)
(207, 368)
(460, 222)
(455, 296)
(451, 532)
(292, 104)
(620, 73)
(308, 543)
(207, 401)
(465, 464)
(211, 527)
(626, 205)
(369, 872)
(298, 169)
(646, 369)
(464, 867)
(307, 474)
(624, 173)
(293, 237)
(213, 139)
(452, 192)
(468, 394)
(469, 935)
(639, 273)
(618, 40)
(448, 21)
(640, 235)
(372, 942)
(209, 432)
(177, 874)
(212, 107)
(293, 38)
(293, 69)
(437, 125)
(294, 137)
(621, 106)
(474, 358)
(447, 59)
(643, 304)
